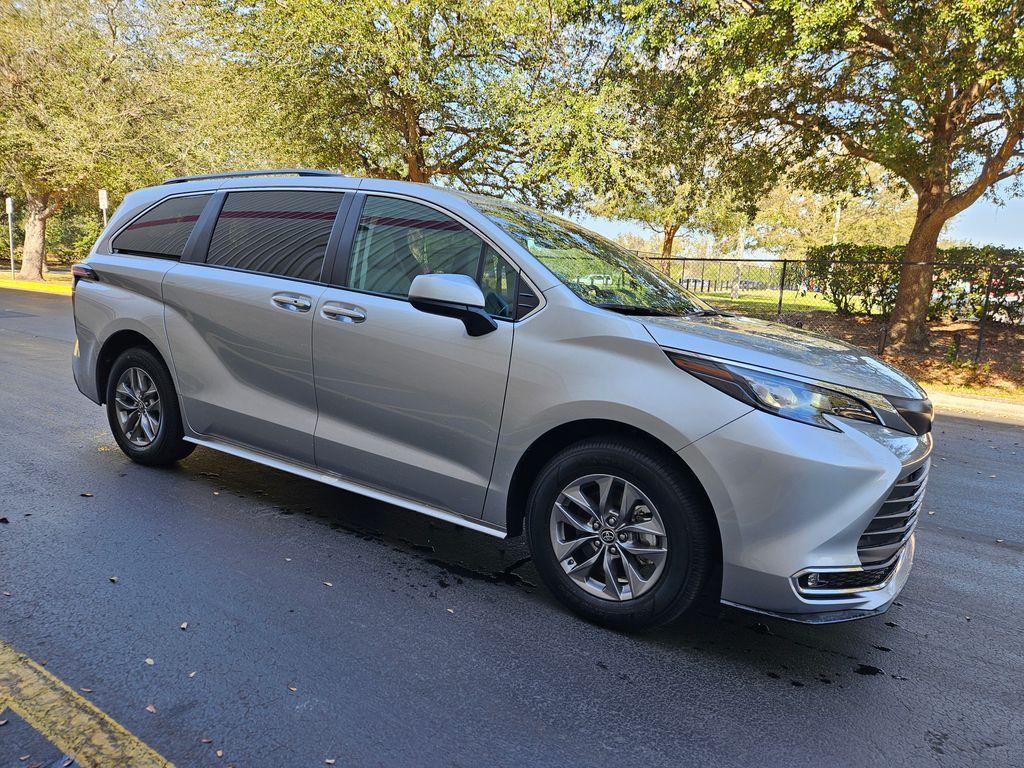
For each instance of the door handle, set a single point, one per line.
(344, 313)
(292, 302)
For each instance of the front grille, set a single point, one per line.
(892, 526)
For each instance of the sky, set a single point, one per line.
(984, 223)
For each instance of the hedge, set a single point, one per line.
(864, 278)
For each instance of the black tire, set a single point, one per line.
(691, 557)
(168, 445)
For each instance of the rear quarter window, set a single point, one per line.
(162, 230)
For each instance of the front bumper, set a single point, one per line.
(793, 500)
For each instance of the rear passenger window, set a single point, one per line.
(164, 229)
(277, 232)
(399, 239)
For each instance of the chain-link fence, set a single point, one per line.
(985, 297)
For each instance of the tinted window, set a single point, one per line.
(164, 229)
(277, 232)
(398, 240)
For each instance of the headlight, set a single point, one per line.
(788, 398)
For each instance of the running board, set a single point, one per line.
(349, 485)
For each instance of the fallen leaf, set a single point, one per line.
(220, 753)
(216, 493)
(184, 625)
(206, 741)
(85, 690)
(191, 675)
(931, 511)
(328, 584)
(86, 495)
(7, 594)
(23, 758)
(287, 559)
(151, 709)
(150, 662)
(114, 579)
(3, 723)
(330, 761)
(67, 761)
(450, 610)
(292, 688)
(4, 520)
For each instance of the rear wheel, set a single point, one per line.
(142, 408)
(619, 534)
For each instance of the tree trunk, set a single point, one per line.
(666, 246)
(33, 255)
(908, 326)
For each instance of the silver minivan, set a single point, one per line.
(458, 356)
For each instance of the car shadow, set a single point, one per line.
(791, 653)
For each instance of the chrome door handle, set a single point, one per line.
(345, 313)
(292, 302)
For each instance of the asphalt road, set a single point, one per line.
(437, 646)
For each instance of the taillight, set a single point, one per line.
(82, 272)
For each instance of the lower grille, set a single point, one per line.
(894, 523)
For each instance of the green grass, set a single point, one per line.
(767, 302)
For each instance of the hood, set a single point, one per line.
(784, 349)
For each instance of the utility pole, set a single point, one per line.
(10, 231)
(741, 244)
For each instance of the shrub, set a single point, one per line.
(864, 278)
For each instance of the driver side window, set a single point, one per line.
(397, 240)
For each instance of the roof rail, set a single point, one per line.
(244, 174)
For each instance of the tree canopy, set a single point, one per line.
(425, 90)
(930, 90)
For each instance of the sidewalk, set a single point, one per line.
(993, 407)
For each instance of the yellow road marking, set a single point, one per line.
(68, 721)
(61, 289)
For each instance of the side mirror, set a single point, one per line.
(455, 296)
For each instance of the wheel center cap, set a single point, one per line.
(607, 536)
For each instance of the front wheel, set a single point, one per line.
(619, 534)
(142, 408)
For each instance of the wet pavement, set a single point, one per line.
(321, 625)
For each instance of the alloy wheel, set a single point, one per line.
(137, 404)
(608, 537)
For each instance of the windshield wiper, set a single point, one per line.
(632, 309)
(711, 313)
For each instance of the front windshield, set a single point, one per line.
(595, 269)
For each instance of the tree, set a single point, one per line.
(931, 91)
(96, 95)
(421, 91)
(789, 221)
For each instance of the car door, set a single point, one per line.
(409, 402)
(239, 318)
